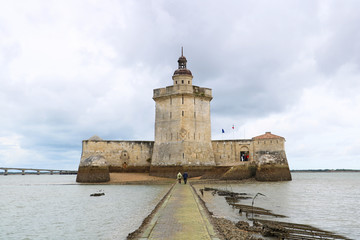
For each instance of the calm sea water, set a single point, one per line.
(55, 207)
(330, 201)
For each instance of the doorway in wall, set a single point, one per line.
(244, 156)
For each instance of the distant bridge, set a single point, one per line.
(37, 171)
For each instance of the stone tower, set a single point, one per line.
(182, 122)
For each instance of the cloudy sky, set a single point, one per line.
(73, 69)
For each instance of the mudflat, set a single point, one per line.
(138, 178)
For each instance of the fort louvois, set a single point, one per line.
(183, 143)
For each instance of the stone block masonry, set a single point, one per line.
(120, 154)
(183, 143)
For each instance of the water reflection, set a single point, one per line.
(53, 207)
(324, 200)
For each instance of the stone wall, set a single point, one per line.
(182, 126)
(268, 157)
(269, 145)
(271, 160)
(119, 154)
(93, 169)
(227, 152)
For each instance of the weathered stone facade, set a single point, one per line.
(120, 155)
(183, 142)
(182, 126)
(228, 152)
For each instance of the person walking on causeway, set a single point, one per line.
(185, 176)
(179, 176)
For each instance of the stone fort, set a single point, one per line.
(183, 142)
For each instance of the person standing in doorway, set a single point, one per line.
(179, 176)
(185, 176)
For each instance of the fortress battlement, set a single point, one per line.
(182, 89)
(183, 142)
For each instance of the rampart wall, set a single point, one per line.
(267, 160)
(139, 153)
(119, 154)
(227, 152)
(269, 145)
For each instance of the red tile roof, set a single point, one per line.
(267, 135)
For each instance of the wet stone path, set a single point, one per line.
(180, 217)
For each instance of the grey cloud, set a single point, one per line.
(257, 56)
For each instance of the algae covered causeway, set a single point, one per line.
(300, 209)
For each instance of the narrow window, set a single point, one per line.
(183, 155)
(175, 82)
(182, 113)
(170, 115)
(188, 82)
(182, 99)
(182, 81)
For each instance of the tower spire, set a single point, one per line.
(182, 60)
(182, 70)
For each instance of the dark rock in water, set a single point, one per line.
(97, 194)
(243, 225)
(229, 231)
(274, 230)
